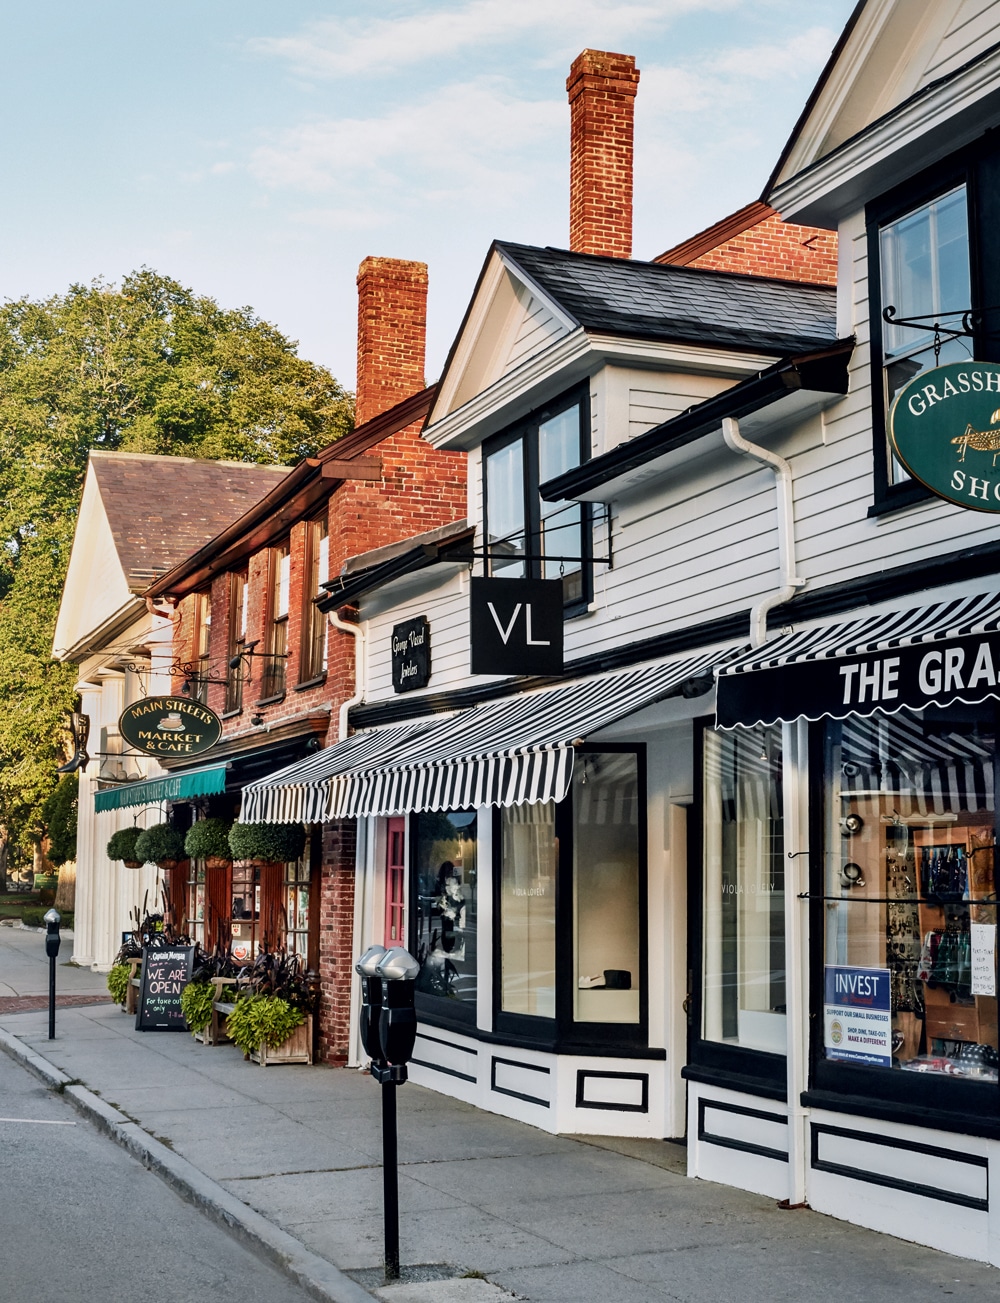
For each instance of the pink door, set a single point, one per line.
(395, 878)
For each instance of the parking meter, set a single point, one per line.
(52, 918)
(397, 1025)
(371, 1000)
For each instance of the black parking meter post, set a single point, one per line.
(52, 919)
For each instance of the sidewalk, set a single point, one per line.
(547, 1218)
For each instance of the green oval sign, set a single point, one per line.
(170, 726)
(944, 427)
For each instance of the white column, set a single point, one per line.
(795, 768)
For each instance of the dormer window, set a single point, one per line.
(526, 537)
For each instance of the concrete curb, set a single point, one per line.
(318, 1277)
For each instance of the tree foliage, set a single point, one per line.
(145, 367)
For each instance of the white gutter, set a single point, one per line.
(790, 582)
(359, 671)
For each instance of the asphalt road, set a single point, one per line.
(82, 1222)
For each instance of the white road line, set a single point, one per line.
(39, 1122)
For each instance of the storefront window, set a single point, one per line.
(528, 862)
(909, 908)
(743, 1001)
(297, 907)
(446, 913)
(606, 864)
(195, 903)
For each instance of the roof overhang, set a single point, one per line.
(451, 549)
(927, 126)
(782, 394)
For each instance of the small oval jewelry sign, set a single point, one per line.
(944, 427)
(170, 726)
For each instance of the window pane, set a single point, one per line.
(237, 635)
(528, 910)
(744, 930)
(558, 451)
(446, 898)
(505, 509)
(911, 942)
(606, 887)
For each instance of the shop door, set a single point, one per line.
(395, 879)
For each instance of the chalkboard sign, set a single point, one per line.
(166, 971)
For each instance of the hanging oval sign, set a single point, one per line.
(944, 427)
(170, 726)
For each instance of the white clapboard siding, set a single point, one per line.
(656, 399)
(537, 328)
(972, 31)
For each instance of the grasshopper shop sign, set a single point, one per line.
(944, 427)
(170, 726)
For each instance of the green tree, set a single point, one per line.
(145, 367)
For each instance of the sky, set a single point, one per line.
(257, 151)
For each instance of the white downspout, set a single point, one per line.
(790, 582)
(359, 671)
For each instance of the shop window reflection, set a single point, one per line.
(744, 891)
(446, 942)
(606, 887)
(528, 861)
(910, 912)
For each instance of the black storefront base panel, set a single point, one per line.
(737, 1081)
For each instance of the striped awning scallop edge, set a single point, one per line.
(873, 663)
(518, 750)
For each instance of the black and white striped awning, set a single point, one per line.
(518, 750)
(928, 655)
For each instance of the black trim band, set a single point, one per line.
(450, 1072)
(583, 1073)
(516, 1094)
(728, 1142)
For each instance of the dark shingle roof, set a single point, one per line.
(686, 304)
(161, 509)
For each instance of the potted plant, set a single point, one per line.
(267, 843)
(208, 840)
(118, 980)
(160, 845)
(122, 847)
(272, 1019)
(210, 975)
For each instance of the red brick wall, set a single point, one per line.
(336, 960)
(776, 248)
(392, 324)
(601, 88)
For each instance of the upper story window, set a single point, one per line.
(317, 565)
(526, 537)
(201, 633)
(276, 628)
(924, 266)
(239, 594)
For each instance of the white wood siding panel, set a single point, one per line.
(975, 28)
(536, 330)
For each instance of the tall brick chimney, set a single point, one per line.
(392, 328)
(601, 89)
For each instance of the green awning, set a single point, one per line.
(172, 787)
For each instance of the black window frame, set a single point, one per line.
(757, 1072)
(920, 1099)
(562, 1034)
(527, 429)
(977, 168)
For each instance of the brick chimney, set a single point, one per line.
(392, 328)
(601, 89)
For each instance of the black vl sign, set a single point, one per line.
(517, 626)
(411, 654)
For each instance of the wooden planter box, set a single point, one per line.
(215, 1032)
(297, 1049)
(134, 982)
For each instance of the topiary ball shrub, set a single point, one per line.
(267, 843)
(122, 846)
(257, 1018)
(118, 978)
(208, 840)
(196, 1005)
(160, 844)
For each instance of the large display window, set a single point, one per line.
(445, 913)
(908, 903)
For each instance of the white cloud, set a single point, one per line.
(351, 47)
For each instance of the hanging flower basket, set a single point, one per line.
(122, 847)
(161, 845)
(208, 840)
(267, 843)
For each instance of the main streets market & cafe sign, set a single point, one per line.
(170, 726)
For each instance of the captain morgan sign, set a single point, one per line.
(944, 427)
(170, 726)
